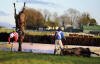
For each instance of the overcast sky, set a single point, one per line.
(59, 6)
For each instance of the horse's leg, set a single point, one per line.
(12, 46)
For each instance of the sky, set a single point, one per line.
(59, 6)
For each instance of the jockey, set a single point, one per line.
(59, 35)
(13, 35)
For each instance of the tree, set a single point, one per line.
(74, 16)
(34, 18)
(65, 21)
(46, 15)
(56, 19)
(93, 22)
(70, 18)
(50, 20)
(85, 19)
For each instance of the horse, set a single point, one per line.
(77, 52)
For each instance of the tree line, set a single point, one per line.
(36, 19)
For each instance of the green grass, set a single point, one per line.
(6, 30)
(31, 58)
(91, 27)
(30, 32)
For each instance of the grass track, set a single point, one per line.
(31, 58)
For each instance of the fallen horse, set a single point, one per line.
(78, 52)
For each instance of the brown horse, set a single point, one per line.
(77, 51)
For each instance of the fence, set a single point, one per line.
(48, 39)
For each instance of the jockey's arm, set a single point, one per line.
(62, 34)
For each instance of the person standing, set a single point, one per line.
(59, 35)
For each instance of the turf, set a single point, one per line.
(33, 58)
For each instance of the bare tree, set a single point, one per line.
(74, 15)
(46, 15)
(56, 19)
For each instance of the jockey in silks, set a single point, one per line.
(13, 35)
(58, 40)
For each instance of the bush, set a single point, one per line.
(48, 39)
